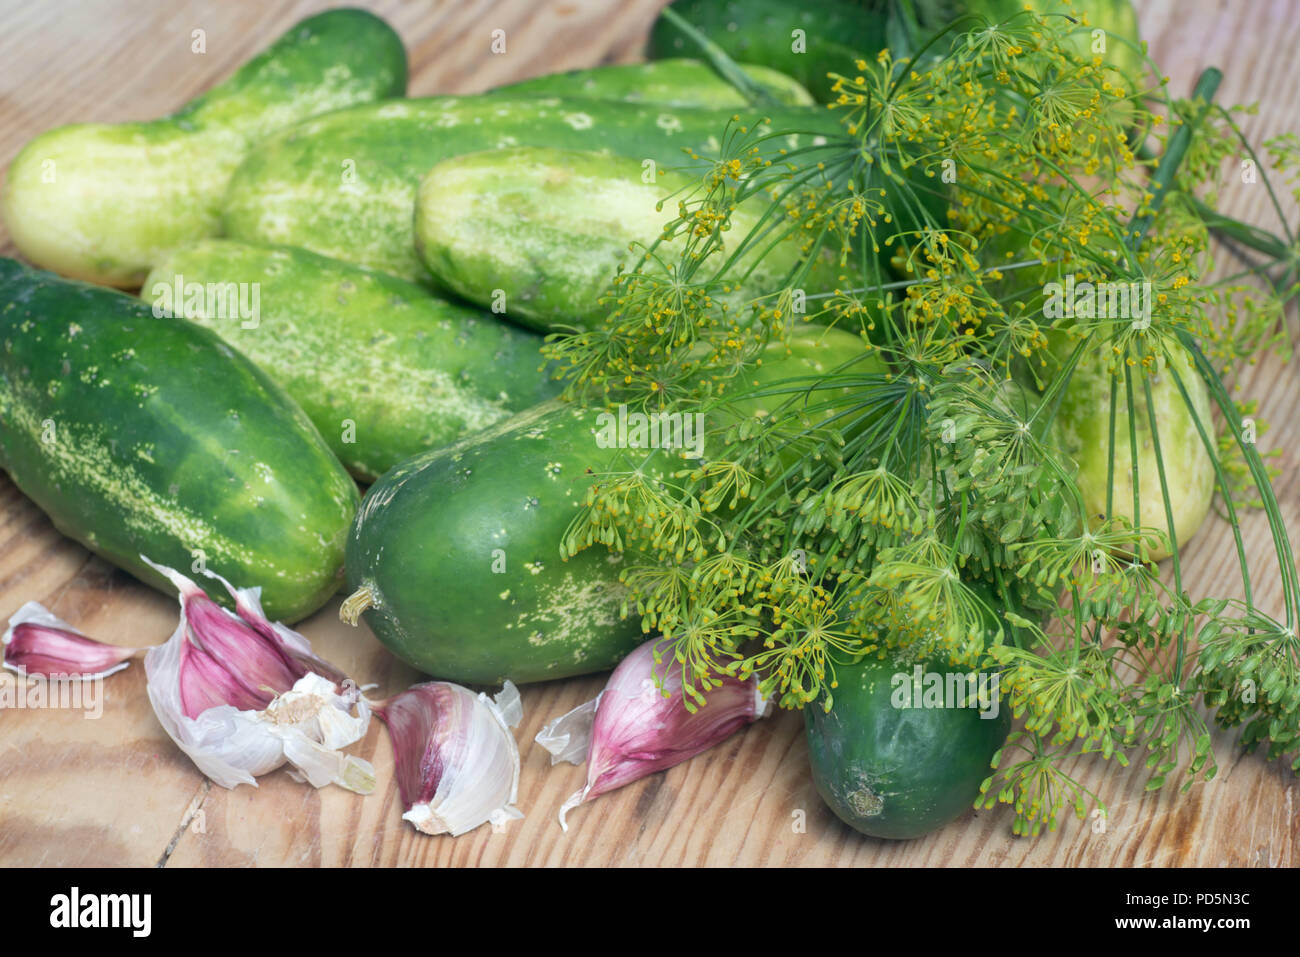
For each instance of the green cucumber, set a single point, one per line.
(103, 201)
(140, 435)
(382, 367)
(1082, 424)
(344, 184)
(889, 762)
(538, 233)
(454, 555)
(805, 41)
(675, 82)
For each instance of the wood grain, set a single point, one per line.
(115, 791)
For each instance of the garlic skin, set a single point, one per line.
(456, 758)
(243, 697)
(634, 727)
(40, 644)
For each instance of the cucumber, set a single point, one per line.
(901, 772)
(832, 34)
(382, 367)
(454, 554)
(675, 82)
(344, 184)
(539, 233)
(139, 435)
(1083, 426)
(103, 201)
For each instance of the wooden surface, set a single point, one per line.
(116, 791)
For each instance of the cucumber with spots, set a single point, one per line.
(672, 82)
(454, 556)
(103, 201)
(344, 184)
(384, 368)
(144, 435)
(539, 233)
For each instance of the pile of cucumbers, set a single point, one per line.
(299, 327)
(338, 285)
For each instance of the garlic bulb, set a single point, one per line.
(242, 695)
(638, 725)
(457, 761)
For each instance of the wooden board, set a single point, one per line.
(116, 791)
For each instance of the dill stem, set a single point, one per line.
(1222, 478)
(1207, 84)
(722, 64)
(1281, 541)
(1169, 516)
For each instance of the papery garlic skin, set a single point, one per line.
(637, 726)
(568, 737)
(457, 760)
(315, 723)
(38, 643)
(258, 729)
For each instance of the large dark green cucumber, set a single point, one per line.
(896, 757)
(457, 552)
(454, 555)
(384, 368)
(830, 35)
(104, 201)
(144, 435)
(344, 184)
(672, 82)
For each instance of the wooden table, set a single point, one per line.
(116, 791)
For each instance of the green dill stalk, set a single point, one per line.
(722, 64)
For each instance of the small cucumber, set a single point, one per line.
(897, 758)
(143, 435)
(104, 201)
(539, 233)
(454, 555)
(675, 82)
(344, 184)
(382, 367)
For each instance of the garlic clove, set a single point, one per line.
(205, 683)
(639, 725)
(39, 643)
(457, 764)
(241, 650)
(248, 606)
(250, 658)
